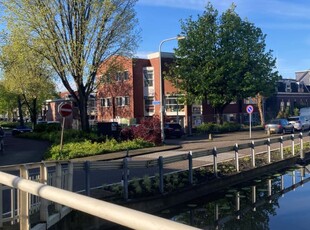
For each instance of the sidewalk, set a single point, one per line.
(186, 143)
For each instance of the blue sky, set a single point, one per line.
(285, 22)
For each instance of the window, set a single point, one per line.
(126, 76)
(126, 100)
(148, 104)
(122, 101)
(173, 104)
(196, 109)
(118, 76)
(105, 102)
(148, 78)
(118, 101)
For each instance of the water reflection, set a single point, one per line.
(265, 203)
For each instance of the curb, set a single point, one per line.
(129, 153)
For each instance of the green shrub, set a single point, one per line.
(217, 128)
(88, 148)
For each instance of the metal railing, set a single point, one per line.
(60, 175)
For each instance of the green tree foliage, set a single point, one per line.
(223, 59)
(76, 37)
(7, 105)
(27, 79)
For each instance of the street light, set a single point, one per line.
(161, 84)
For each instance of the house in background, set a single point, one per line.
(50, 110)
(290, 94)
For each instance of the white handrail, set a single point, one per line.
(121, 215)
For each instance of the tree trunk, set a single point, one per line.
(260, 99)
(219, 115)
(20, 112)
(82, 104)
(33, 112)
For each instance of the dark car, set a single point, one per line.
(279, 126)
(173, 130)
(21, 129)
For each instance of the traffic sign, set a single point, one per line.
(249, 109)
(156, 102)
(65, 110)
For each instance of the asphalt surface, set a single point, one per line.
(21, 150)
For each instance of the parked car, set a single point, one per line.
(279, 126)
(173, 130)
(300, 123)
(21, 129)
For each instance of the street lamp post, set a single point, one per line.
(161, 84)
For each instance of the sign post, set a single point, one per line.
(249, 110)
(64, 110)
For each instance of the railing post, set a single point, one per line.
(293, 145)
(302, 155)
(161, 174)
(281, 148)
(125, 178)
(237, 157)
(215, 161)
(24, 202)
(253, 154)
(58, 183)
(190, 167)
(87, 177)
(268, 151)
(70, 177)
(44, 202)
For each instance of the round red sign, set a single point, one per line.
(65, 110)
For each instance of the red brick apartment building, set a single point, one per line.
(132, 91)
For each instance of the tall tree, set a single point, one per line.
(223, 59)
(76, 36)
(25, 74)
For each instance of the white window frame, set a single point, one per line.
(146, 77)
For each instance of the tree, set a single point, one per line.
(26, 76)
(222, 59)
(76, 36)
(7, 102)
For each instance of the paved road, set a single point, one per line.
(21, 150)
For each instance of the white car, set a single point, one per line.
(300, 123)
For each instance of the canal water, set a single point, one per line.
(276, 201)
